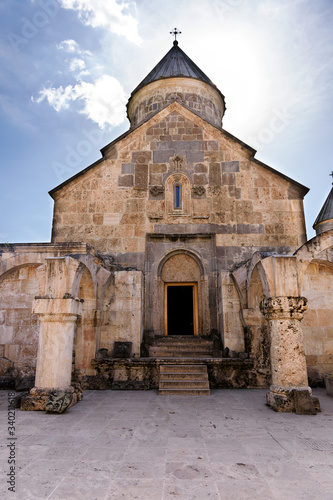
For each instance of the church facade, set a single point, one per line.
(177, 241)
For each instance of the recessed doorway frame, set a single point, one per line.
(194, 286)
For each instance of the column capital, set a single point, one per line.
(57, 307)
(274, 308)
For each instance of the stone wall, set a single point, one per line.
(317, 287)
(233, 331)
(144, 374)
(114, 205)
(18, 326)
(123, 309)
(195, 95)
(86, 329)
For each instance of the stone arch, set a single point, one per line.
(318, 249)
(180, 251)
(85, 340)
(183, 266)
(180, 268)
(255, 260)
(18, 261)
(265, 280)
(258, 339)
(18, 325)
(99, 274)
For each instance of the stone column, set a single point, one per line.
(289, 390)
(57, 318)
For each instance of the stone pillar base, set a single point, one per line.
(297, 399)
(50, 400)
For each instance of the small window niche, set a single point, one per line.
(178, 195)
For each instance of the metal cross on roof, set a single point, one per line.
(175, 32)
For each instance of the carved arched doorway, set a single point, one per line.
(181, 280)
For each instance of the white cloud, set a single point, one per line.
(109, 14)
(72, 47)
(69, 46)
(77, 64)
(103, 101)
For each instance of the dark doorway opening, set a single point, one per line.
(180, 310)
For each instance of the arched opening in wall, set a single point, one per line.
(178, 194)
(317, 324)
(257, 338)
(85, 336)
(18, 326)
(182, 289)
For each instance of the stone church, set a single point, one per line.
(178, 261)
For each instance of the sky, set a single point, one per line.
(67, 68)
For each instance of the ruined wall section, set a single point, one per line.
(122, 312)
(18, 326)
(233, 331)
(317, 324)
(114, 205)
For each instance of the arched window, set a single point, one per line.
(177, 196)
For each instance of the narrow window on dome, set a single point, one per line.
(177, 196)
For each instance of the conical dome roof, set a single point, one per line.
(175, 64)
(325, 214)
(176, 78)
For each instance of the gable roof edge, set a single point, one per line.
(78, 174)
(303, 188)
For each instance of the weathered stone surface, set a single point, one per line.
(287, 347)
(141, 176)
(125, 180)
(38, 398)
(196, 95)
(6, 366)
(77, 386)
(304, 403)
(32, 403)
(102, 353)
(230, 166)
(122, 350)
(127, 168)
(59, 401)
(144, 373)
(296, 399)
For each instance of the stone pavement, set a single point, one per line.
(118, 445)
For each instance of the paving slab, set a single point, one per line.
(117, 445)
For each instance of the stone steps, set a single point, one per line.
(181, 346)
(169, 353)
(180, 339)
(184, 392)
(181, 376)
(187, 368)
(184, 380)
